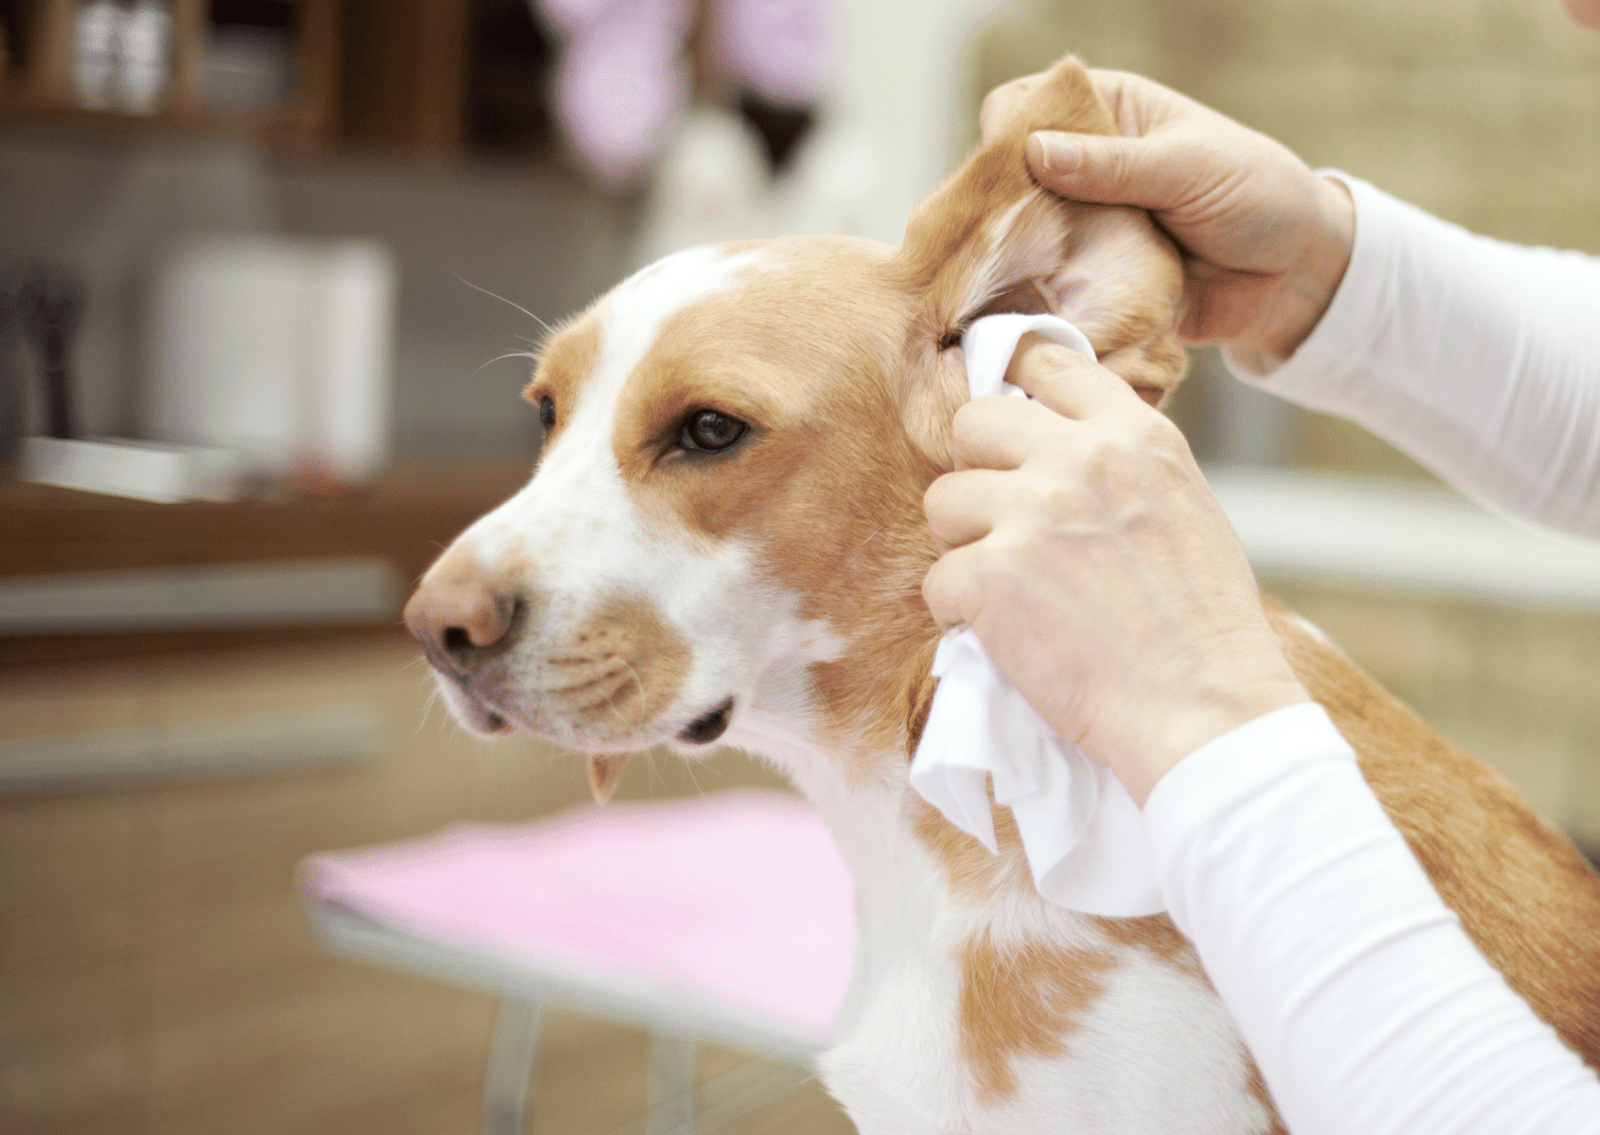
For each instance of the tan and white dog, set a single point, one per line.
(724, 543)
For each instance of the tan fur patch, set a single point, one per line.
(920, 688)
(970, 871)
(1257, 1087)
(1157, 936)
(619, 670)
(565, 362)
(1524, 894)
(1024, 1001)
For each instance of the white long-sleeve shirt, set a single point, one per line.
(1368, 1009)
(1366, 1006)
(1480, 359)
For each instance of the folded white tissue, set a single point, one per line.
(1082, 832)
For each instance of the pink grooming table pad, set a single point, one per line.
(739, 895)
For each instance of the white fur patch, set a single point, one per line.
(572, 538)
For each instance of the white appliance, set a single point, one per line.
(277, 348)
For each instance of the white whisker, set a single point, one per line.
(547, 328)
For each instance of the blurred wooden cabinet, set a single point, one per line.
(385, 72)
(403, 73)
(255, 43)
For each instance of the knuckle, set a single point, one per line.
(1048, 497)
(1164, 442)
(1158, 433)
(1103, 451)
(991, 566)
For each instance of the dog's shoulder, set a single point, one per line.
(1523, 893)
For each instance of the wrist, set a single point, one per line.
(1309, 287)
(1207, 716)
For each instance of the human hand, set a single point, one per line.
(1265, 240)
(1584, 13)
(1084, 547)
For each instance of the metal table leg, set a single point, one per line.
(505, 1090)
(672, 1068)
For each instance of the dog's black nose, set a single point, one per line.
(458, 622)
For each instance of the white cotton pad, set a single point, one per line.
(991, 341)
(1081, 831)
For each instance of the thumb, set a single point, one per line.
(1110, 170)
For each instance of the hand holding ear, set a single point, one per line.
(1265, 240)
(1082, 544)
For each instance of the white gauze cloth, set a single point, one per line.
(1082, 832)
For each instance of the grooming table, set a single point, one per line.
(726, 919)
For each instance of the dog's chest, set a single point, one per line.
(1014, 1016)
(1154, 1051)
(1006, 1015)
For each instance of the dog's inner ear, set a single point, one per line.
(1024, 298)
(990, 240)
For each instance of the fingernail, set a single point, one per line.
(1054, 153)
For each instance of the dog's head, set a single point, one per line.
(723, 538)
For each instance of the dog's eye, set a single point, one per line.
(710, 432)
(547, 413)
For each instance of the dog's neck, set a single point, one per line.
(900, 886)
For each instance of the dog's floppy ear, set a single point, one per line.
(604, 773)
(991, 240)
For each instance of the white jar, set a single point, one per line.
(146, 57)
(97, 49)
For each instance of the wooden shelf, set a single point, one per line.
(406, 517)
(39, 89)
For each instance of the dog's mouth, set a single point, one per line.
(706, 728)
(487, 720)
(476, 714)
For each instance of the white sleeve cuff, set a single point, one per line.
(1478, 358)
(1366, 1006)
(1343, 336)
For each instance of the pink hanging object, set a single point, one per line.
(571, 16)
(618, 100)
(623, 81)
(781, 48)
(578, 17)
